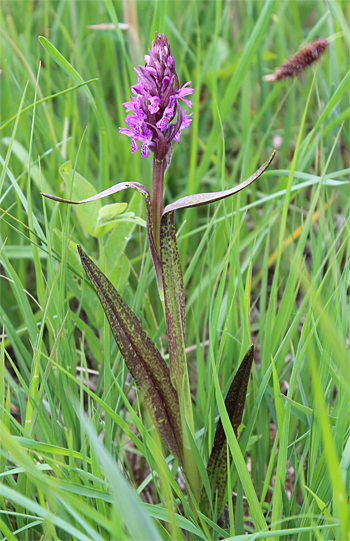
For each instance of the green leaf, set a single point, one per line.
(117, 188)
(71, 253)
(199, 199)
(72, 72)
(22, 154)
(89, 300)
(110, 212)
(9, 150)
(120, 273)
(119, 237)
(107, 217)
(217, 464)
(126, 501)
(68, 68)
(29, 107)
(79, 188)
(143, 360)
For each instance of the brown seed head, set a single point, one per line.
(298, 63)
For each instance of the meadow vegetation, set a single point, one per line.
(79, 456)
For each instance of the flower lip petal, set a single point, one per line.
(163, 123)
(188, 103)
(180, 94)
(134, 146)
(130, 105)
(145, 152)
(176, 127)
(153, 104)
(185, 122)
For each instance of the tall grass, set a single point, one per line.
(79, 457)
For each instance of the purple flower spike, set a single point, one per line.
(153, 120)
(156, 120)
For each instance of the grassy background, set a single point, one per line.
(70, 419)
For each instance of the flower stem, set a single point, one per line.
(157, 199)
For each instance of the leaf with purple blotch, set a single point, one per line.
(217, 464)
(142, 358)
(174, 296)
(199, 199)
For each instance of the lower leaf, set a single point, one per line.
(142, 358)
(217, 464)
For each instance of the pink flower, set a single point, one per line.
(157, 118)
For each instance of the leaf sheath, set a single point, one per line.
(174, 308)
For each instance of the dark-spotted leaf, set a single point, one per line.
(142, 358)
(171, 266)
(217, 464)
(198, 199)
(174, 297)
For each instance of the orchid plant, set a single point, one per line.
(156, 120)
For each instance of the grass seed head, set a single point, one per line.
(298, 63)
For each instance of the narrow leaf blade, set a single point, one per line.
(174, 307)
(234, 403)
(68, 68)
(173, 265)
(175, 320)
(199, 199)
(143, 360)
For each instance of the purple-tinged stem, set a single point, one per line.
(157, 199)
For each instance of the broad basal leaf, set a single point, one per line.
(118, 238)
(143, 360)
(217, 464)
(79, 188)
(107, 213)
(108, 218)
